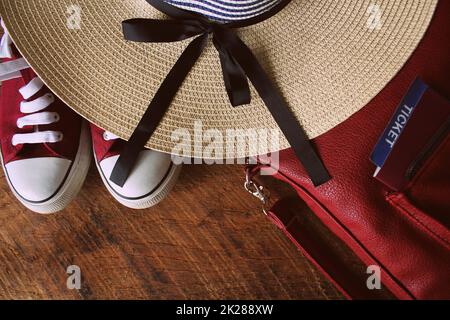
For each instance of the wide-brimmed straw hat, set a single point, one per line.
(326, 58)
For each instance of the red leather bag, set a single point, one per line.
(405, 233)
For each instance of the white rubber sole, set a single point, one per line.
(154, 198)
(72, 184)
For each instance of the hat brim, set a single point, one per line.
(328, 58)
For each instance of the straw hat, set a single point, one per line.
(328, 58)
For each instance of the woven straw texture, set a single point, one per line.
(329, 58)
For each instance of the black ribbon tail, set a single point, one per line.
(157, 109)
(236, 82)
(277, 106)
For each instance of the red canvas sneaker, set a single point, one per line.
(151, 179)
(45, 146)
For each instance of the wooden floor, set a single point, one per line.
(207, 240)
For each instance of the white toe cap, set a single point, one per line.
(37, 179)
(150, 170)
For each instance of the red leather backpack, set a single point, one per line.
(405, 233)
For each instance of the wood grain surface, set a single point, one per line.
(207, 240)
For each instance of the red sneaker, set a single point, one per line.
(45, 146)
(151, 179)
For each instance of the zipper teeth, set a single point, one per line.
(429, 148)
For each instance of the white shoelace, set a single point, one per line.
(108, 136)
(34, 110)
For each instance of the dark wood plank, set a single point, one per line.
(207, 240)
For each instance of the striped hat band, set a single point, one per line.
(226, 10)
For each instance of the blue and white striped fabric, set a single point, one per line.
(226, 10)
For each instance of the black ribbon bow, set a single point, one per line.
(238, 63)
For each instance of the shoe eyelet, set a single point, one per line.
(105, 136)
(50, 97)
